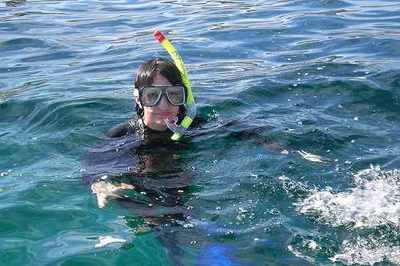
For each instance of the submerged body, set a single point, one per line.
(160, 97)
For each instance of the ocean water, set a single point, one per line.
(297, 164)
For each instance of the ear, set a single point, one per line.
(136, 97)
(138, 101)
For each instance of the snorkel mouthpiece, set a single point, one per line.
(173, 126)
(190, 106)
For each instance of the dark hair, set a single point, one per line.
(145, 75)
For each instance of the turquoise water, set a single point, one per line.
(318, 78)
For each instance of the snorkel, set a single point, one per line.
(190, 106)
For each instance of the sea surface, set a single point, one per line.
(297, 163)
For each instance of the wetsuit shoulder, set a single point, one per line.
(120, 130)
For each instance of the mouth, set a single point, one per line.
(163, 114)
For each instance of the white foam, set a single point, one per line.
(311, 157)
(300, 254)
(106, 240)
(367, 251)
(374, 201)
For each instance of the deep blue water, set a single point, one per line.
(317, 78)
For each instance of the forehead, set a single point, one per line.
(160, 80)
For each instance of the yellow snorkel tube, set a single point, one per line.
(179, 130)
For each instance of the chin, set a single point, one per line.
(158, 123)
(161, 126)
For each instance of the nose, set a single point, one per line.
(164, 104)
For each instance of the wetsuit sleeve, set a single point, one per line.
(118, 131)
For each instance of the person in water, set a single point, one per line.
(145, 174)
(143, 144)
(160, 95)
(151, 180)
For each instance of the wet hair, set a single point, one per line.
(145, 75)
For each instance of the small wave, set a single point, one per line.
(5, 94)
(22, 43)
(374, 201)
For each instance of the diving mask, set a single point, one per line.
(151, 95)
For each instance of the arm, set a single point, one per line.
(118, 131)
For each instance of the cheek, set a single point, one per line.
(176, 110)
(170, 109)
(150, 112)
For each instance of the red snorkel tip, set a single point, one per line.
(159, 36)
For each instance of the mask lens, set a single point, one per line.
(176, 95)
(151, 96)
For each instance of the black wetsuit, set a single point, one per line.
(123, 129)
(148, 159)
(157, 168)
(136, 127)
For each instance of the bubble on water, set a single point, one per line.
(283, 178)
(188, 225)
(285, 152)
(312, 245)
(193, 243)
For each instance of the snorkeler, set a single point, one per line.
(160, 96)
(163, 97)
(139, 165)
(165, 108)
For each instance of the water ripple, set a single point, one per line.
(321, 77)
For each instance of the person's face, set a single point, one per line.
(154, 117)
